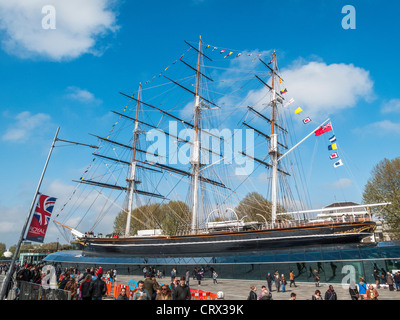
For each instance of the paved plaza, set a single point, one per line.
(239, 289)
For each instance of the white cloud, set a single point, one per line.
(325, 89)
(79, 24)
(319, 88)
(25, 125)
(81, 95)
(342, 183)
(381, 128)
(391, 106)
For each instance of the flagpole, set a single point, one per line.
(12, 266)
(303, 139)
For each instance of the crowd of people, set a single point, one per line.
(90, 284)
(360, 291)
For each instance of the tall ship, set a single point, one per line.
(170, 169)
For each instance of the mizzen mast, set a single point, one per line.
(273, 149)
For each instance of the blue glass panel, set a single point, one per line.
(297, 256)
(282, 257)
(331, 255)
(370, 253)
(390, 252)
(313, 256)
(350, 254)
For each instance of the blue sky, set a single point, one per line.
(71, 77)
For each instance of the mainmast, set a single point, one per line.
(196, 147)
(273, 150)
(131, 179)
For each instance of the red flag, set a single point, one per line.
(323, 129)
(41, 218)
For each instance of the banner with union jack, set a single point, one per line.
(41, 218)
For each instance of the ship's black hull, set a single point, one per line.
(228, 243)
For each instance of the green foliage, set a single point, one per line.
(172, 218)
(253, 205)
(384, 186)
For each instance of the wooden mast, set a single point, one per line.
(131, 179)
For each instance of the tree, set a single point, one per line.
(2, 248)
(384, 186)
(253, 205)
(172, 218)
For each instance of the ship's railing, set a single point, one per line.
(304, 223)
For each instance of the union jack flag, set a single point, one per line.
(44, 208)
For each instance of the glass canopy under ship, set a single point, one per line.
(331, 262)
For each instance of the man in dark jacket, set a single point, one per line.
(269, 281)
(85, 288)
(182, 291)
(173, 286)
(98, 288)
(397, 280)
(376, 278)
(149, 285)
(64, 281)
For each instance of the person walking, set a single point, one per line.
(362, 288)
(264, 294)
(330, 294)
(72, 287)
(263, 288)
(389, 281)
(198, 276)
(283, 282)
(277, 282)
(317, 278)
(182, 292)
(173, 286)
(173, 274)
(16, 291)
(123, 295)
(64, 280)
(84, 288)
(149, 285)
(372, 293)
(215, 276)
(187, 277)
(353, 291)
(397, 280)
(317, 295)
(376, 278)
(252, 293)
(141, 293)
(269, 281)
(291, 276)
(98, 287)
(165, 293)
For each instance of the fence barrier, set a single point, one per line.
(32, 291)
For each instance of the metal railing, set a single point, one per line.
(33, 291)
